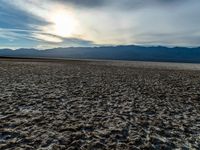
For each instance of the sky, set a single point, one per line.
(65, 23)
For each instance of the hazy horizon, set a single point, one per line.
(101, 46)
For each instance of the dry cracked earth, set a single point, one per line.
(93, 105)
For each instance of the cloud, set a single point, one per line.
(103, 22)
(132, 5)
(84, 3)
(18, 38)
(14, 34)
(124, 4)
(51, 38)
(14, 17)
(47, 38)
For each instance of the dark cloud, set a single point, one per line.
(65, 40)
(78, 42)
(121, 4)
(84, 3)
(137, 4)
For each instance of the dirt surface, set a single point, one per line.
(94, 105)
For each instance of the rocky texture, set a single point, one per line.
(86, 105)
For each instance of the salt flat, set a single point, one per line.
(57, 104)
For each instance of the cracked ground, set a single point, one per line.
(94, 105)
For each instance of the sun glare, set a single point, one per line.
(64, 24)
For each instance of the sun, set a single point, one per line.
(64, 23)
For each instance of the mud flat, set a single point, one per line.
(98, 105)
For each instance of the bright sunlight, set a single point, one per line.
(64, 23)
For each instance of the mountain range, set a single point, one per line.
(131, 52)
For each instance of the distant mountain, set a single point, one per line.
(137, 53)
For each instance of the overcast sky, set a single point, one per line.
(64, 23)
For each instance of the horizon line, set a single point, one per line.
(103, 46)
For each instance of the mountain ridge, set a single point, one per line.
(121, 52)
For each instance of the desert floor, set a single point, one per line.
(98, 105)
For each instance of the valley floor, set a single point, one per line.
(98, 105)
